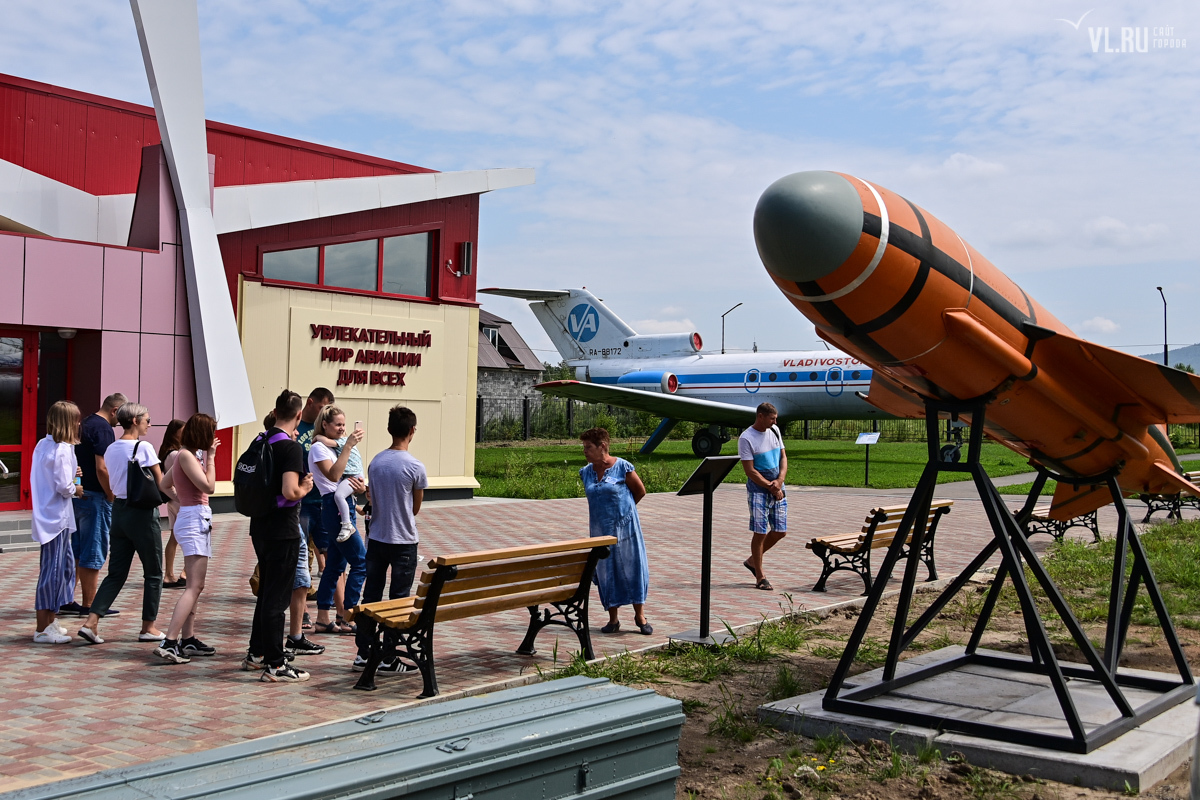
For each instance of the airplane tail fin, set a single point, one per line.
(582, 327)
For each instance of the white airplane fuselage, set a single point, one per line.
(814, 384)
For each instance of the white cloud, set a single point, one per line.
(663, 325)
(1099, 325)
(1110, 232)
(960, 165)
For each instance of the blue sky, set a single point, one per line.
(654, 127)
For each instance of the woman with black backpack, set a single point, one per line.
(135, 530)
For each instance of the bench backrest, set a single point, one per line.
(485, 581)
(886, 528)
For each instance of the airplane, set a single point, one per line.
(669, 374)
(890, 284)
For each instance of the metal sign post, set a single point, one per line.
(705, 480)
(868, 439)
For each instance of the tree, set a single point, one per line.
(1185, 367)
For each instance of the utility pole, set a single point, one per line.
(1164, 297)
(723, 329)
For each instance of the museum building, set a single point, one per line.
(344, 270)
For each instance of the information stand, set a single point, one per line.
(868, 439)
(705, 480)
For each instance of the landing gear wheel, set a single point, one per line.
(705, 444)
(951, 453)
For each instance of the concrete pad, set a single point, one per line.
(1138, 759)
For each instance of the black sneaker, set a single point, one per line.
(302, 647)
(285, 674)
(396, 666)
(85, 610)
(169, 651)
(194, 647)
(72, 609)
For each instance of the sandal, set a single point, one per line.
(752, 572)
(611, 627)
(765, 585)
(345, 627)
(325, 627)
(307, 624)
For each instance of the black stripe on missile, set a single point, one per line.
(914, 289)
(843, 325)
(1081, 453)
(924, 251)
(1181, 383)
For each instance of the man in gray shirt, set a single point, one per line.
(397, 483)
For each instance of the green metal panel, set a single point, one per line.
(571, 738)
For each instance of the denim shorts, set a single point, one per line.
(93, 518)
(303, 579)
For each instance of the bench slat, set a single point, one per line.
(512, 567)
(453, 611)
(470, 595)
(524, 551)
(383, 605)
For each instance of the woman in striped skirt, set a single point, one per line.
(52, 485)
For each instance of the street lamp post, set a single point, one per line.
(1164, 297)
(723, 329)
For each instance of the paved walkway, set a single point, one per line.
(76, 709)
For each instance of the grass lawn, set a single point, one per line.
(552, 470)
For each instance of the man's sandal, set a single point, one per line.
(765, 585)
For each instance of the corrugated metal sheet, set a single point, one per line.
(573, 738)
(490, 319)
(516, 345)
(114, 151)
(12, 124)
(55, 138)
(489, 357)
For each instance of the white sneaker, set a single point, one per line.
(60, 628)
(346, 532)
(50, 636)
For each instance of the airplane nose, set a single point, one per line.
(807, 224)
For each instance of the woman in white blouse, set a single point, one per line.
(52, 485)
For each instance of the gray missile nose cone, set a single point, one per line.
(807, 224)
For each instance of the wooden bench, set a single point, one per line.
(852, 551)
(1171, 503)
(1040, 522)
(557, 574)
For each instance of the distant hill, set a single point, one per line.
(1183, 355)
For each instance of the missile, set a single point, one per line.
(887, 282)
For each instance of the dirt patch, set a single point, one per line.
(724, 753)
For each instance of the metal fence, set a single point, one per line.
(505, 419)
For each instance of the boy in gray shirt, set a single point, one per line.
(397, 483)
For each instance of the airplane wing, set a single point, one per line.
(661, 405)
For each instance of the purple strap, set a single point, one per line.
(280, 500)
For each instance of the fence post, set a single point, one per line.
(806, 429)
(570, 418)
(478, 419)
(525, 415)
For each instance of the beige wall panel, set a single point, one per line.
(391, 308)
(472, 391)
(454, 412)
(426, 443)
(428, 311)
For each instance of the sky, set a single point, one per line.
(655, 126)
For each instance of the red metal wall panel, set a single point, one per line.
(344, 168)
(114, 151)
(56, 138)
(267, 162)
(12, 125)
(310, 166)
(231, 157)
(150, 135)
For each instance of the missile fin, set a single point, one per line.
(892, 398)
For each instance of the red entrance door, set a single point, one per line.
(18, 416)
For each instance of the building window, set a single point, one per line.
(294, 266)
(406, 265)
(492, 335)
(394, 265)
(354, 265)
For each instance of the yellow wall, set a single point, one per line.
(280, 352)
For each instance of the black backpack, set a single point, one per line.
(253, 477)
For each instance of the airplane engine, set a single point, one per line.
(651, 381)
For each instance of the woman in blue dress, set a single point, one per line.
(613, 491)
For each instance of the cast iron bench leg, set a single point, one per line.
(826, 570)
(366, 681)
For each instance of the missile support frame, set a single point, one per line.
(1010, 541)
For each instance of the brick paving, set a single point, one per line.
(75, 709)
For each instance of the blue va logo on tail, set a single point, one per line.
(583, 322)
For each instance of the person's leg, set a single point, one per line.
(257, 645)
(147, 538)
(56, 579)
(639, 614)
(335, 564)
(354, 550)
(757, 502)
(300, 583)
(277, 574)
(340, 494)
(169, 559)
(93, 517)
(376, 565)
(403, 561)
(119, 562)
(183, 618)
(777, 523)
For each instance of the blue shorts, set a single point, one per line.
(93, 518)
(766, 513)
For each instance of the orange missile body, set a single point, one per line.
(889, 283)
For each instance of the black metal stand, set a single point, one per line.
(705, 480)
(1015, 554)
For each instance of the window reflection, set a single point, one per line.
(297, 266)
(353, 265)
(12, 364)
(406, 264)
